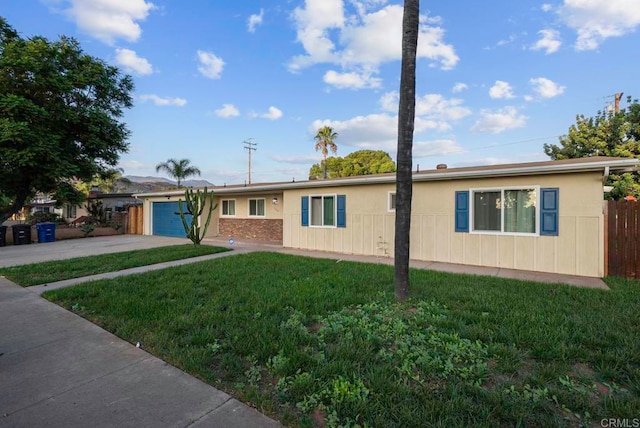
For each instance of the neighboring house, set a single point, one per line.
(43, 203)
(113, 203)
(540, 216)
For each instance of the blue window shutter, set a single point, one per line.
(462, 211)
(305, 211)
(549, 211)
(342, 211)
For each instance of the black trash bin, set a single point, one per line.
(3, 236)
(46, 232)
(21, 234)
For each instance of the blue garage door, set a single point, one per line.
(166, 219)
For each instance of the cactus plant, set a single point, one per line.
(195, 202)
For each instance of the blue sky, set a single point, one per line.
(495, 80)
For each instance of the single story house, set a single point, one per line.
(537, 216)
(113, 204)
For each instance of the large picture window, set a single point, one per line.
(256, 207)
(506, 210)
(323, 210)
(229, 207)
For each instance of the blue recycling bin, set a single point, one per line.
(46, 232)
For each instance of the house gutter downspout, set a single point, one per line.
(606, 175)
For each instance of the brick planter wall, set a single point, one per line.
(63, 233)
(250, 228)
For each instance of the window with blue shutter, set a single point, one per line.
(342, 211)
(549, 199)
(462, 211)
(305, 211)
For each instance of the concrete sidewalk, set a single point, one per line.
(141, 269)
(59, 370)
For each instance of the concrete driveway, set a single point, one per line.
(13, 255)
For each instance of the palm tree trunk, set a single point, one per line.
(406, 118)
(325, 163)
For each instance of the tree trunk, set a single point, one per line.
(406, 118)
(16, 206)
(325, 164)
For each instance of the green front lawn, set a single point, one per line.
(43, 273)
(314, 341)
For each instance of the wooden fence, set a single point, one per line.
(135, 220)
(623, 233)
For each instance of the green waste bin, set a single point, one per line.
(21, 234)
(46, 232)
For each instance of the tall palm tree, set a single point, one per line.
(324, 141)
(178, 169)
(406, 119)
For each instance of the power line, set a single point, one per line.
(514, 142)
(249, 146)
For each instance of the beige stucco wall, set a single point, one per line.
(272, 211)
(578, 250)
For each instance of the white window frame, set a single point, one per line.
(71, 209)
(502, 190)
(389, 195)
(335, 210)
(264, 202)
(235, 205)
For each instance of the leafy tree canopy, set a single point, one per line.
(361, 162)
(605, 134)
(59, 117)
(110, 181)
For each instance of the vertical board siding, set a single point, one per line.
(623, 258)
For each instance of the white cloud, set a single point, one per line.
(546, 88)
(497, 121)
(163, 101)
(374, 131)
(546, 7)
(363, 40)
(132, 63)
(459, 87)
(274, 113)
(597, 20)
(433, 108)
(133, 164)
(549, 41)
(227, 111)
(255, 20)
(210, 65)
(422, 149)
(109, 20)
(313, 23)
(501, 90)
(351, 80)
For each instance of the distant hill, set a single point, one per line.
(156, 184)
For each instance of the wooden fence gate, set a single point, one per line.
(134, 226)
(623, 236)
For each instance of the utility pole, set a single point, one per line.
(616, 103)
(249, 146)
